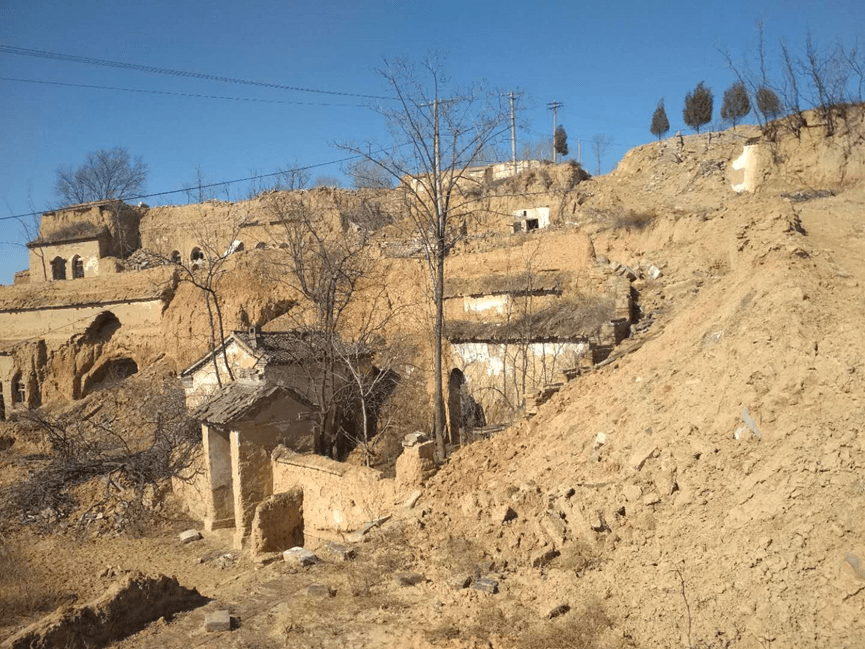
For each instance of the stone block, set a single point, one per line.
(217, 621)
(338, 552)
(486, 585)
(189, 536)
(278, 523)
(632, 492)
(300, 557)
(459, 582)
(413, 439)
(643, 450)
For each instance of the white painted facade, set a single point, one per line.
(744, 170)
(531, 218)
(497, 303)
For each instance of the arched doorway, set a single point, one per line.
(110, 372)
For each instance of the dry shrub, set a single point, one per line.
(580, 630)
(577, 556)
(22, 592)
(490, 621)
(389, 554)
(631, 220)
(123, 442)
(409, 409)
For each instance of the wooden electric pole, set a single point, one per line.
(554, 106)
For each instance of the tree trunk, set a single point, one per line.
(439, 335)
(222, 336)
(212, 338)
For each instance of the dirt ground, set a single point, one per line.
(705, 488)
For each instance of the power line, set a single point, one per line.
(70, 58)
(209, 185)
(178, 94)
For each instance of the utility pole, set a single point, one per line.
(554, 106)
(512, 95)
(580, 151)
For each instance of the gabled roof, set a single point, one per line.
(275, 348)
(243, 399)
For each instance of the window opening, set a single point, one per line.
(19, 392)
(58, 268)
(77, 267)
(531, 224)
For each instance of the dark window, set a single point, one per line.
(531, 224)
(58, 268)
(19, 392)
(77, 267)
(518, 226)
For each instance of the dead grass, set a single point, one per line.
(580, 630)
(632, 221)
(577, 318)
(22, 591)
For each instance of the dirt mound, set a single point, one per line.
(706, 485)
(127, 607)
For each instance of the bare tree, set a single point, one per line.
(290, 178)
(105, 174)
(328, 181)
(324, 264)
(368, 175)
(437, 138)
(216, 232)
(600, 143)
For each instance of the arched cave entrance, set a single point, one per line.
(103, 327)
(175, 257)
(110, 372)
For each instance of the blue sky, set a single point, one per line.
(608, 63)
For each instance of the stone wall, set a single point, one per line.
(278, 523)
(336, 496)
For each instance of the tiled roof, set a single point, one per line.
(285, 347)
(240, 399)
(292, 347)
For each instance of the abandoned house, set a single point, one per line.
(241, 425)
(534, 218)
(83, 241)
(279, 395)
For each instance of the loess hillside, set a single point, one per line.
(707, 485)
(702, 487)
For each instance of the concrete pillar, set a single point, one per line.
(253, 481)
(219, 496)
